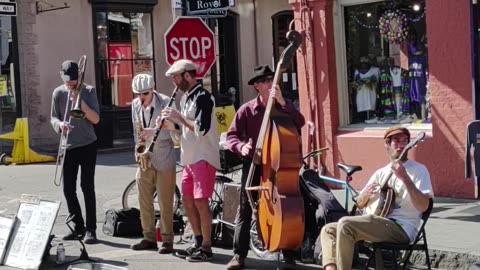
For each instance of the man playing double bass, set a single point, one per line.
(241, 139)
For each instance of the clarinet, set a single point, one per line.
(157, 131)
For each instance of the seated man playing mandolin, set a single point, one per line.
(409, 183)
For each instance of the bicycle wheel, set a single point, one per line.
(256, 245)
(130, 197)
(216, 205)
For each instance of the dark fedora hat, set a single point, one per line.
(260, 72)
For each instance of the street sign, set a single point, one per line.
(190, 38)
(210, 13)
(197, 5)
(8, 9)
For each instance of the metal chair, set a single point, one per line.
(420, 243)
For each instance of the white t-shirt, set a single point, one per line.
(404, 212)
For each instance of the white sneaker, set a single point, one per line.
(372, 121)
(394, 121)
(406, 120)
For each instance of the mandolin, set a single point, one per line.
(381, 204)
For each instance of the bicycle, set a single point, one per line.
(130, 196)
(256, 244)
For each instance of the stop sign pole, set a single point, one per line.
(190, 38)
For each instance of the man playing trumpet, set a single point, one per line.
(156, 170)
(81, 150)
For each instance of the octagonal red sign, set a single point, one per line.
(190, 38)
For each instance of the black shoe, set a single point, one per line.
(76, 235)
(90, 238)
(166, 248)
(187, 252)
(200, 256)
(289, 261)
(143, 245)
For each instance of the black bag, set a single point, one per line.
(123, 222)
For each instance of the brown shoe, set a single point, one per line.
(236, 263)
(144, 244)
(166, 248)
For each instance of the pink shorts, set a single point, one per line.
(198, 180)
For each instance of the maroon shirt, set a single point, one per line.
(248, 121)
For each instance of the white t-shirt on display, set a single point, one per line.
(367, 93)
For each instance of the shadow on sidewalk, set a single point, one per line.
(113, 244)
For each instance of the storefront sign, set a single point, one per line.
(8, 9)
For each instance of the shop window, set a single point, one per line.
(386, 64)
(124, 49)
(280, 27)
(10, 99)
(7, 91)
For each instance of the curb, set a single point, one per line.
(441, 259)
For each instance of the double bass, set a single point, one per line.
(280, 208)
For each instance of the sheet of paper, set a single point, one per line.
(6, 226)
(30, 235)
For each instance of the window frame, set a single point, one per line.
(342, 71)
(129, 8)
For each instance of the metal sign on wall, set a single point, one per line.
(209, 8)
(8, 9)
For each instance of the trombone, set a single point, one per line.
(75, 112)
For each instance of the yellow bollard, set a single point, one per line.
(21, 153)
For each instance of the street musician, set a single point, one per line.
(156, 170)
(413, 189)
(81, 149)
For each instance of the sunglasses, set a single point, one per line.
(143, 94)
(265, 80)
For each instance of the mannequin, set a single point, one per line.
(366, 81)
(417, 74)
(394, 96)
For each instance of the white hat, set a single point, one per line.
(180, 66)
(142, 83)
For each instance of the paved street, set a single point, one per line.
(114, 172)
(453, 227)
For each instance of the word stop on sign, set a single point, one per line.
(194, 47)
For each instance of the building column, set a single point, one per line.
(317, 76)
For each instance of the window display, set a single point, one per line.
(387, 63)
(124, 43)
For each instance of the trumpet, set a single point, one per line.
(75, 112)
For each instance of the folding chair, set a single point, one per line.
(420, 243)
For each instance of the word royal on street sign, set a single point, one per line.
(198, 5)
(8, 9)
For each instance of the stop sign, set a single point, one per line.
(190, 38)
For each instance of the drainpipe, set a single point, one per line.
(255, 36)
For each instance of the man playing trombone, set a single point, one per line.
(81, 150)
(156, 170)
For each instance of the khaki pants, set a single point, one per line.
(164, 183)
(338, 239)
